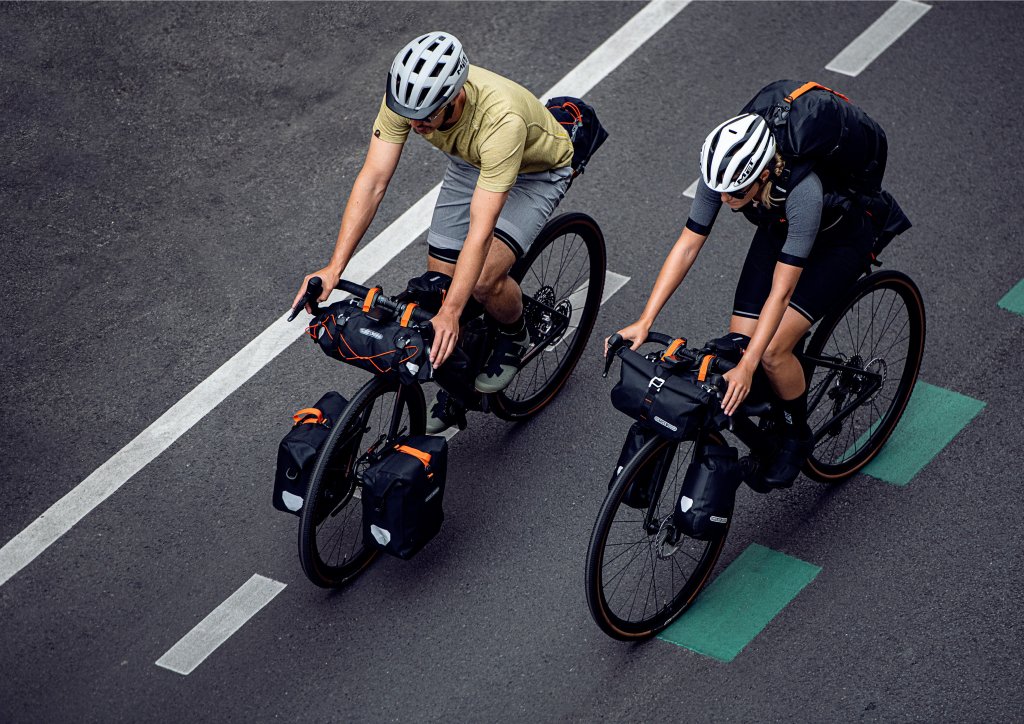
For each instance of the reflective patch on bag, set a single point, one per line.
(380, 535)
(291, 501)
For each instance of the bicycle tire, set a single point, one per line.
(541, 276)
(837, 337)
(334, 481)
(604, 606)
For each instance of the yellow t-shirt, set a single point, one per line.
(504, 131)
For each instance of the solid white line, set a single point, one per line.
(218, 627)
(365, 264)
(882, 33)
(691, 190)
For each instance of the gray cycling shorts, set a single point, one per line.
(530, 202)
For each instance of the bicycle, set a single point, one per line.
(562, 277)
(641, 573)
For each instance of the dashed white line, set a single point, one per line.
(691, 190)
(220, 624)
(882, 33)
(115, 472)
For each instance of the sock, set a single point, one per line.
(513, 329)
(793, 415)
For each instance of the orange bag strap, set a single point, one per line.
(418, 454)
(308, 415)
(812, 86)
(368, 302)
(407, 313)
(704, 365)
(674, 347)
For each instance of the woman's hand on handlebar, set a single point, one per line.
(636, 333)
(446, 335)
(739, 378)
(329, 279)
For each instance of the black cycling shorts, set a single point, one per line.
(840, 255)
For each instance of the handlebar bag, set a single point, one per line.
(645, 481)
(428, 290)
(298, 450)
(403, 493)
(662, 395)
(708, 492)
(371, 340)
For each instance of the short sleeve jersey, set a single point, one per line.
(503, 131)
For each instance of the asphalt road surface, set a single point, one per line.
(168, 174)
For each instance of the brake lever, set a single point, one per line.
(314, 287)
(615, 342)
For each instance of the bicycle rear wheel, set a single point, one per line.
(638, 580)
(331, 547)
(880, 329)
(563, 270)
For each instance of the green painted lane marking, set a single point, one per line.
(932, 419)
(738, 604)
(1014, 299)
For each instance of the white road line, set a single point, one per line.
(218, 627)
(115, 472)
(882, 33)
(691, 190)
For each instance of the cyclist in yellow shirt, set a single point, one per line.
(508, 168)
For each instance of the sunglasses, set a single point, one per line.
(433, 116)
(740, 194)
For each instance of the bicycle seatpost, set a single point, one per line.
(314, 288)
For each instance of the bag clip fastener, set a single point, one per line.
(656, 383)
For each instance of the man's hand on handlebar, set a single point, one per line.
(636, 333)
(329, 279)
(446, 335)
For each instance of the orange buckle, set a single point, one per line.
(368, 302)
(705, 364)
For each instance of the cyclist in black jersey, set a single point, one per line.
(805, 254)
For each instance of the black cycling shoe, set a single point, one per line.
(503, 364)
(782, 471)
(445, 412)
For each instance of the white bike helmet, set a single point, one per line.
(736, 152)
(426, 74)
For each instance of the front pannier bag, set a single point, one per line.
(297, 452)
(402, 495)
(708, 493)
(370, 340)
(673, 405)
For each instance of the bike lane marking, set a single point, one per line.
(220, 624)
(874, 41)
(934, 416)
(63, 515)
(1013, 300)
(740, 603)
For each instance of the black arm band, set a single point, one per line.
(792, 260)
(697, 228)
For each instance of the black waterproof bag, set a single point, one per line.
(403, 493)
(428, 291)
(585, 130)
(887, 218)
(638, 492)
(371, 339)
(708, 493)
(663, 395)
(298, 450)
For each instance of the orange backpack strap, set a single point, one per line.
(423, 457)
(308, 415)
(368, 302)
(704, 365)
(812, 86)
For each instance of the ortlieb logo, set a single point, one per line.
(718, 519)
(669, 425)
(371, 333)
(436, 491)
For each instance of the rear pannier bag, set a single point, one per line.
(638, 492)
(661, 396)
(371, 340)
(403, 494)
(298, 450)
(581, 123)
(708, 493)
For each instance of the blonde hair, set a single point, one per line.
(765, 196)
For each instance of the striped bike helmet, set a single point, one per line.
(736, 152)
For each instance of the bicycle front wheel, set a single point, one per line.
(564, 270)
(331, 547)
(641, 573)
(881, 330)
